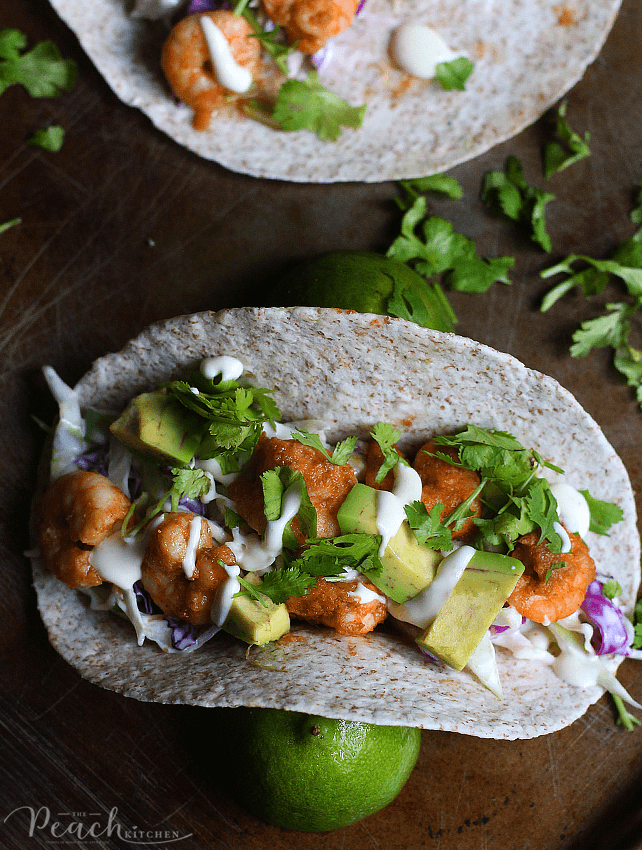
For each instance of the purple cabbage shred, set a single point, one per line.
(94, 460)
(185, 636)
(146, 604)
(608, 621)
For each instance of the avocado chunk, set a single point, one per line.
(476, 600)
(408, 567)
(158, 424)
(251, 621)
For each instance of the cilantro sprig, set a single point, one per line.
(186, 484)
(558, 155)
(453, 74)
(41, 70)
(276, 483)
(508, 192)
(308, 105)
(386, 436)
(50, 139)
(341, 453)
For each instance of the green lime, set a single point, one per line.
(310, 773)
(368, 283)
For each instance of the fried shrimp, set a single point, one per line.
(451, 485)
(547, 591)
(311, 23)
(335, 604)
(165, 568)
(327, 483)
(78, 511)
(187, 65)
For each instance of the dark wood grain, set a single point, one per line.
(123, 227)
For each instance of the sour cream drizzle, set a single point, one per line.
(423, 608)
(189, 559)
(418, 49)
(119, 560)
(223, 602)
(229, 368)
(365, 595)
(390, 505)
(566, 540)
(228, 72)
(572, 508)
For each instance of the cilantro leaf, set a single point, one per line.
(438, 248)
(628, 361)
(280, 584)
(275, 483)
(41, 70)
(507, 192)
(603, 514)
(637, 625)
(542, 508)
(453, 74)
(249, 589)
(636, 212)
(558, 156)
(331, 556)
(188, 484)
(611, 588)
(50, 139)
(612, 329)
(386, 437)
(307, 105)
(433, 183)
(428, 527)
(342, 451)
(558, 565)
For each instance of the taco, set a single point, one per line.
(526, 56)
(341, 373)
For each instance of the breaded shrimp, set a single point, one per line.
(187, 65)
(163, 571)
(311, 22)
(78, 511)
(327, 483)
(545, 592)
(374, 459)
(331, 604)
(451, 485)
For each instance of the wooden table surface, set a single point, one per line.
(122, 227)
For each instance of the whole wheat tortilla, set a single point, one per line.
(527, 54)
(351, 370)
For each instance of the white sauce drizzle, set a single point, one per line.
(229, 368)
(390, 505)
(258, 555)
(119, 560)
(572, 508)
(408, 484)
(365, 595)
(223, 601)
(189, 559)
(423, 608)
(228, 72)
(212, 467)
(418, 49)
(566, 540)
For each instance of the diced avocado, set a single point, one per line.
(251, 621)
(157, 423)
(478, 597)
(408, 567)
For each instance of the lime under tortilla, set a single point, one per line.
(368, 283)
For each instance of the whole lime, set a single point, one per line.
(368, 283)
(311, 773)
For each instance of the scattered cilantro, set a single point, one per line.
(41, 70)
(434, 183)
(628, 361)
(386, 437)
(558, 565)
(9, 224)
(507, 192)
(188, 484)
(342, 451)
(428, 527)
(50, 139)
(249, 589)
(307, 105)
(232, 519)
(437, 249)
(603, 514)
(611, 588)
(636, 212)
(637, 625)
(556, 156)
(453, 75)
(624, 715)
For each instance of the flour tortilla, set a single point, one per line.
(352, 370)
(527, 55)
